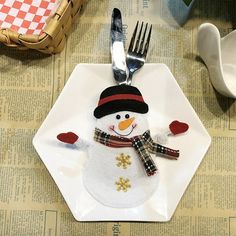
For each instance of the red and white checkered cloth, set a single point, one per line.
(25, 16)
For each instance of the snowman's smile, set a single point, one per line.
(127, 134)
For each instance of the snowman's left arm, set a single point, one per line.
(175, 128)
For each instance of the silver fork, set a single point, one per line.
(137, 51)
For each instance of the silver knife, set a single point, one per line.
(120, 70)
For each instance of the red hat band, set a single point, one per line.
(120, 97)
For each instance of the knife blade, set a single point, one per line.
(120, 70)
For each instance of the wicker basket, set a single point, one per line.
(53, 37)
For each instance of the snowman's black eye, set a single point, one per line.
(117, 117)
(127, 116)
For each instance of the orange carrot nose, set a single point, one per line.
(124, 124)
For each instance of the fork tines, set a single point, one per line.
(140, 47)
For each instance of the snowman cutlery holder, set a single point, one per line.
(122, 170)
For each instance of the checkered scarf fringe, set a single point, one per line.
(143, 144)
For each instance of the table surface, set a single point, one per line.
(30, 82)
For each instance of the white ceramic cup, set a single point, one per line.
(219, 55)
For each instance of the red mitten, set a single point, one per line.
(177, 127)
(69, 137)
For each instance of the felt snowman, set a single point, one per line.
(120, 171)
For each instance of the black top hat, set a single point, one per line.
(120, 98)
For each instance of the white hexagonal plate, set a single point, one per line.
(73, 111)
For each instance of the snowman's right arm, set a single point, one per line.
(73, 139)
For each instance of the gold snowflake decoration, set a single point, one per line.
(123, 184)
(123, 160)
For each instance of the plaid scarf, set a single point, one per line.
(143, 145)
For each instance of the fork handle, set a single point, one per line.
(129, 79)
